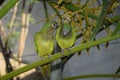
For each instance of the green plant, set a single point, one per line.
(96, 20)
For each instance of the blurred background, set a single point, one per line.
(94, 61)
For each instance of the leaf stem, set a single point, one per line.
(59, 55)
(46, 9)
(93, 76)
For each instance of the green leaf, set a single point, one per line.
(15, 34)
(115, 18)
(7, 7)
(106, 6)
(72, 7)
(46, 9)
(76, 8)
(32, 20)
(57, 12)
(118, 70)
(117, 29)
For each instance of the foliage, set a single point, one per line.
(87, 17)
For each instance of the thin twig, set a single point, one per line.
(28, 19)
(22, 39)
(13, 17)
(2, 30)
(24, 30)
(93, 76)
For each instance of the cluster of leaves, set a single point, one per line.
(88, 17)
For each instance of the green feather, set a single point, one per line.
(65, 36)
(44, 43)
(44, 39)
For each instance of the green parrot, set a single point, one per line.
(44, 44)
(65, 36)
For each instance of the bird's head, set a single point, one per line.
(66, 30)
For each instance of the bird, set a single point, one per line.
(44, 44)
(65, 36)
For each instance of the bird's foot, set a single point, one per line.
(68, 49)
(62, 51)
(42, 58)
(49, 56)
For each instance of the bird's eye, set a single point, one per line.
(55, 25)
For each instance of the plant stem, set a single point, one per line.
(106, 7)
(46, 9)
(93, 76)
(59, 55)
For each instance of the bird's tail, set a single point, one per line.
(46, 72)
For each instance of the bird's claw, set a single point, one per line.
(62, 51)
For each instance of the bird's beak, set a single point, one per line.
(64, 33)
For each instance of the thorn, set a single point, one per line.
(42, 58)
(62, 51)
